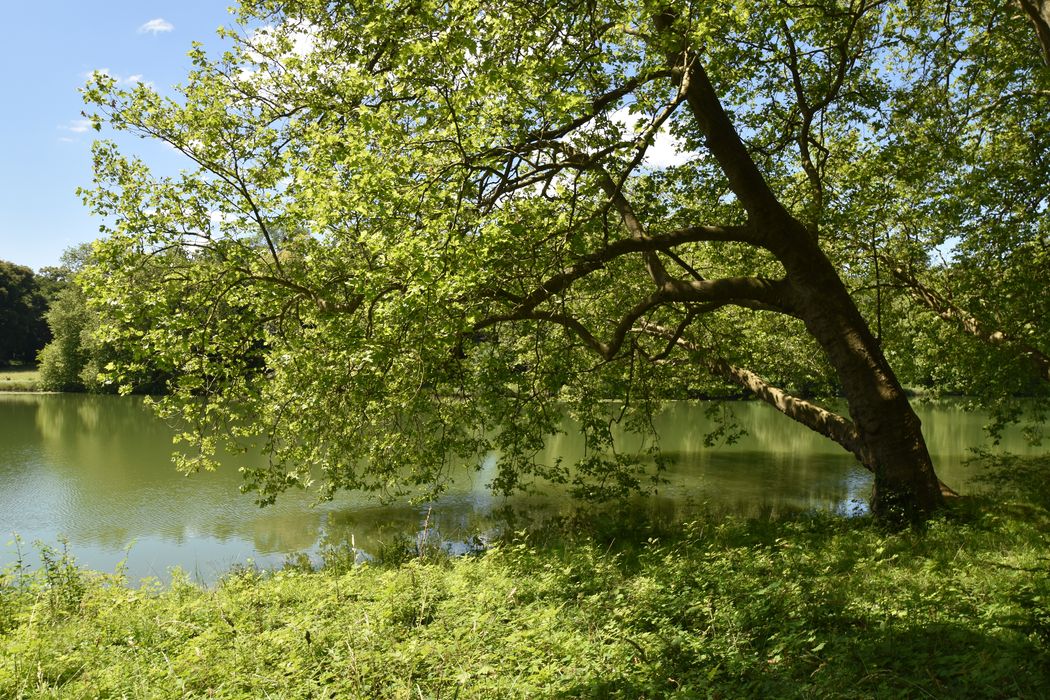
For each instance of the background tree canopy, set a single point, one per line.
(420, 231)
(76, 355)
(22, 304)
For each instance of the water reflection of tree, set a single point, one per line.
(285, 532)
(112, 458)
(17, 428)
(370, 529)
(117, 457)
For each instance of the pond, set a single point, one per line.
(96, 470)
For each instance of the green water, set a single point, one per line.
(96, 470)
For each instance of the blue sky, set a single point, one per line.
(46, 53)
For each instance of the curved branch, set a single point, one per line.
(816, 418)
(595, 261)
(943, 307)
(561, 319)
(656, 269)
(749, 292)
(598, 105)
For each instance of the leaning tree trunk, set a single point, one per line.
(892, 444)
(894, 448)
(1038, 13)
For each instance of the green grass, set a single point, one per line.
(817, 607)
(20, 378)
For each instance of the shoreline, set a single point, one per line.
(805, 606)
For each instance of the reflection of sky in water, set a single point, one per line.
(97, 470)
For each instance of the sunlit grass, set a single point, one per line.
(811, 606)
(20, 378)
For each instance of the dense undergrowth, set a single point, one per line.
(811, 606)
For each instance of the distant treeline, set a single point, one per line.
(45, 317)
(24, 300)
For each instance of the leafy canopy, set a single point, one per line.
(411, 233)
(22, 305)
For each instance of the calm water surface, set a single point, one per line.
(97, 470)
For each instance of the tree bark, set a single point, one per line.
(816, 418)
(906, 485)
(1038, 13)
(905, 481)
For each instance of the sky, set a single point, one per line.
(48, 50)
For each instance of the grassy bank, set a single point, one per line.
(806, 607)
(20, 378)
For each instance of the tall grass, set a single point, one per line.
(808, 606)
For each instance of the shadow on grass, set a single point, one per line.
(942, 660)
(819, 606)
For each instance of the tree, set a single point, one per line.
(77, 356)
(22, 305)
(978, 195)
(64, 361)
(1038, 13)
(482, 227)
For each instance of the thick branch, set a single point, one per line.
(814, 417)
(1038, 13)
(728, 148)
(948, 311)
(705, 296)
(597, 260)
(749, 292)
(721, 137)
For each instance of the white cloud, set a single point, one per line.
(156, 26)
(303, 38)
(666, 150)
(135, 80)
(221, 217)
(120, 80)
(73, 129)
(262, 52)
(77, 126)
(304, 41)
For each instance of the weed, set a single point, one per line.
(801, 606)
(65, 582)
